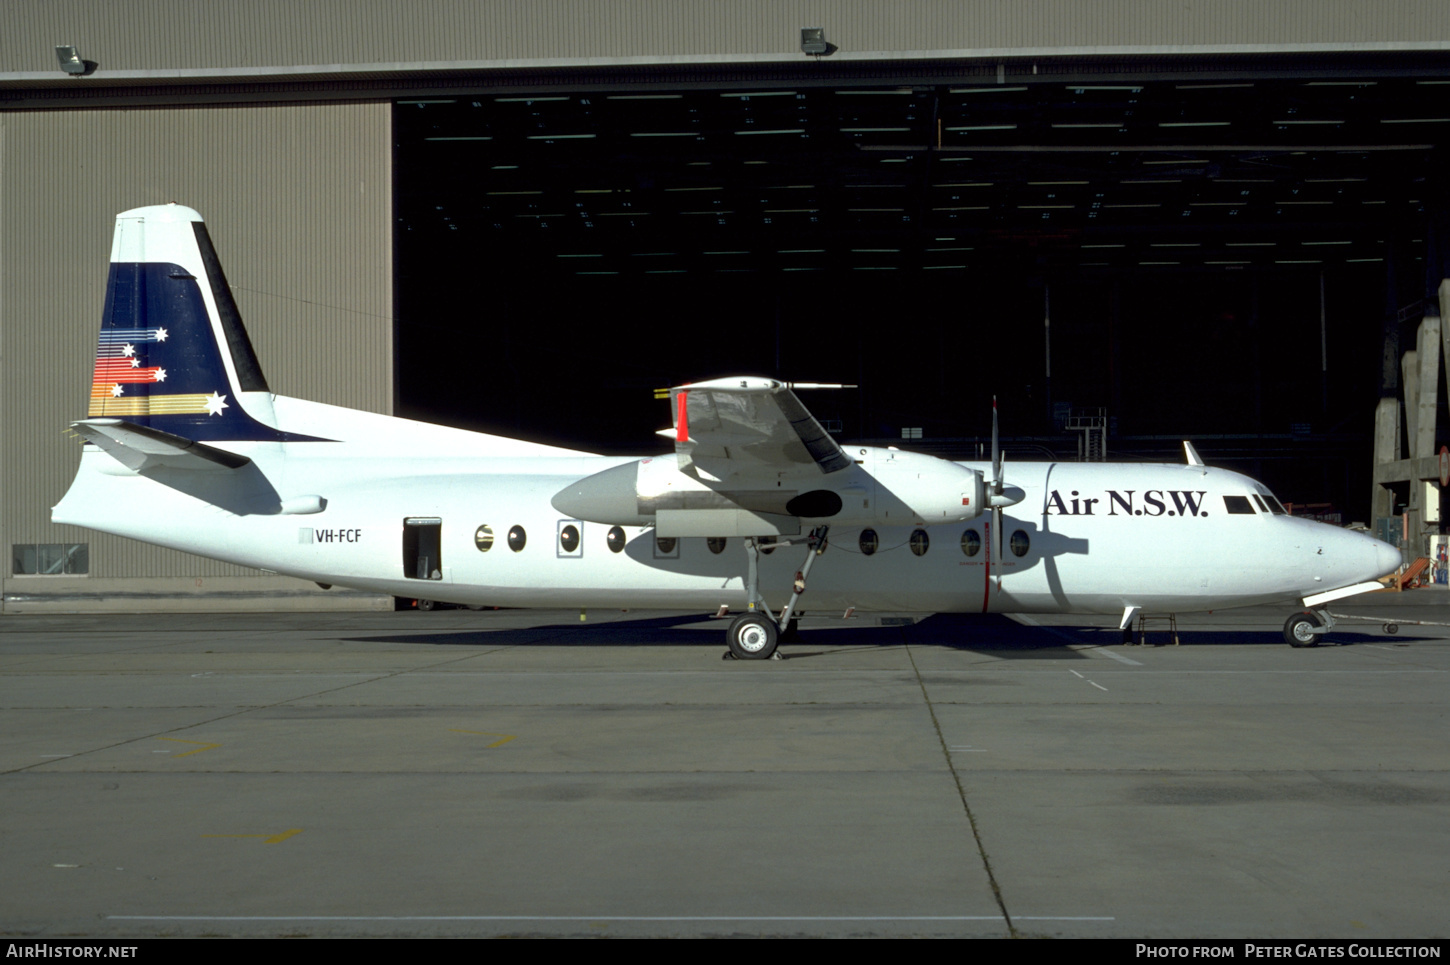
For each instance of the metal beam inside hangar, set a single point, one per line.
(1202, 236)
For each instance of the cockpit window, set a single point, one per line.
(1238, 505)
(1274, 506)
(1263, 506)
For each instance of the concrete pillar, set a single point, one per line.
(1427, 352)
(1420, 372)
(1386, 449)
(1427, 343)
(1445, 329)
(1410, 385)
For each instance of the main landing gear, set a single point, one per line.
(754, 635)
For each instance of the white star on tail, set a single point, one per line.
(161, 335)
(160, 375)
(215, 403)
(135, 363)
(129, 350)
(115, 391)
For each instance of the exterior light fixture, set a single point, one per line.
(71, 62)
(813, 42)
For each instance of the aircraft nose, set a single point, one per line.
(1387, 559)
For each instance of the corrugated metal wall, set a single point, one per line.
(158, 34)
(298, 201)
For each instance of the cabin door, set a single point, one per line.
(422, 548)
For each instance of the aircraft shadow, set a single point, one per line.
(984, 633)
(657, 631)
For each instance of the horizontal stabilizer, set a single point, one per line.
(141, 447)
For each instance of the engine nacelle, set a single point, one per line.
(912, 487)
(882, 487)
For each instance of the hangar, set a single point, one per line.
(1223, 222)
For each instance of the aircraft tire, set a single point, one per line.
(752, 637)
(425, 604)
(1298, 630)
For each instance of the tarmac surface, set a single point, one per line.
(526, 773)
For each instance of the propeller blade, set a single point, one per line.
(999, 467)
(997, 537)
(996, 453)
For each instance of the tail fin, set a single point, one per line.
(173, 354)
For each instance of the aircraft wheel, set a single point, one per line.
(1299, 630)
(425, 604)
(1392, 628)
(752, 637)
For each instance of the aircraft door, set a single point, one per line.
(422, 548)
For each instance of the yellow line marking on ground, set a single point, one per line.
(266, 838)
(484, 733)
(204, 746)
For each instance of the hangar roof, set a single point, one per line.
(268, 41)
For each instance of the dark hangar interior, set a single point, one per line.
(1222, 250)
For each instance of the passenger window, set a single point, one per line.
(869, 542)
(1238, 505)
(920, 542)
(716, 544)
(971, 542)
(569, 540)
(1019, 543)
(517, 538)
(615, 539)
(667, 548)
(483, 538)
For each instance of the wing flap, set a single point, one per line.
(753, 424)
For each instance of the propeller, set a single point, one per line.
(998, 497)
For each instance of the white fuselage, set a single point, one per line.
(1100, 537)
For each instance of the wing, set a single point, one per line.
(750, 425)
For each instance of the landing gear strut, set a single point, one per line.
(754, 635)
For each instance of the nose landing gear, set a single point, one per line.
(1305, 629)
